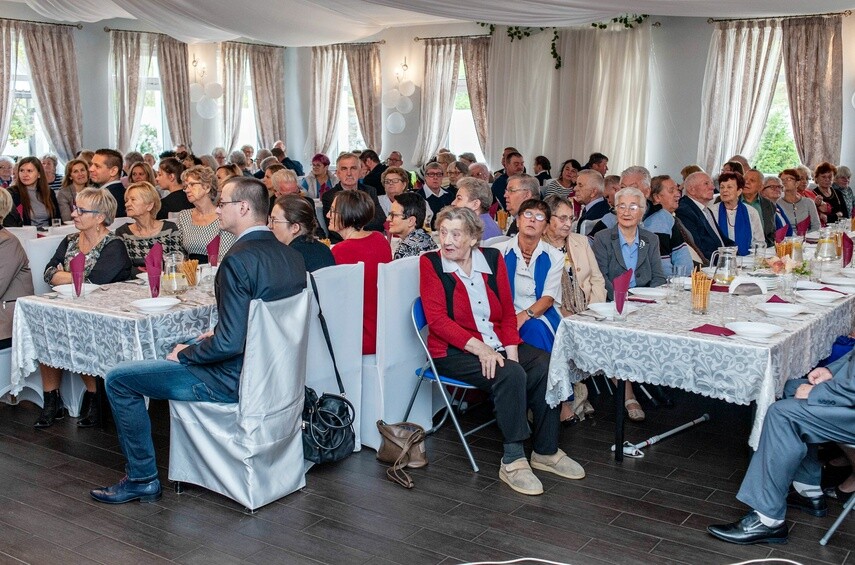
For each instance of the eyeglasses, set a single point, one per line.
(220, 203)
(81, 211)
(192, 183)
(564, 219)
(433, 175)
(274, 221)
(773, 186)
(394, 215)
(388, 182)
(528, 214)
(628, 207)
(513, 190)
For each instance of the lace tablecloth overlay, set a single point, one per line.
(93, 334)
(654, 345)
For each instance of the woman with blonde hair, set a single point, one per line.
(200, 224)
(142, 203)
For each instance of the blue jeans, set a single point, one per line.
(127, 384)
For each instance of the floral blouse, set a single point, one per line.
(107, 262)
(415, 244)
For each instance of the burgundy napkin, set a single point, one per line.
(386, 226)
(153, 267)
(832, 290)
(76, 266)
(847, 250)
(780, 234)
(20, 209)
(803, 226)
(214, 251)
(620, 284)
(712, 330)
(636, 299)
(777, 300)
(719, 288)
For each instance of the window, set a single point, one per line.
(462, 137)
(153, 132)
(777, 149)
(248, 134)
(26, 134)
(348, 134)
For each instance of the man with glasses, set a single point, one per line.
(520, 187)
(437, 197)
(773, 188)
(765, 209)
(514, 165)
(347, 168)
(105, 170)
(208, 370)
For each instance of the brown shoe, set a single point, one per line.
(519, 477)
(558, 463)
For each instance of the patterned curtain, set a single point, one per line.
(442, 60)
(233, 57)
(267, 68)
(8, 64)
(363, 68)
(175, 83)
(130, 61)
(476, 57)
(327, 68)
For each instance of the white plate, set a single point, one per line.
(781, 310)
(142, 276)
(154, 305)
(840, 281)
(67, 289)
(848, 272)
(645, 292)
(68, 223)
(607, 309)
(754, 329)
(819, 296)
(808, 285)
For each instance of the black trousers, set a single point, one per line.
(515, 388)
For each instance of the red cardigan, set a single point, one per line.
(443, 331)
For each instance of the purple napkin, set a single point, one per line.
(645, 300)
(712, 330)
(719, 288)
(780, 234)
(153, 268)
(777, 300)
(832, 290)
(847, 250)
(803, 226)
(214, 251)
(77, 266)
(620, 284)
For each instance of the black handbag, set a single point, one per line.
(328, 433)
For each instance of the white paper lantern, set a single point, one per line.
(206, 107)
(197, 91)
(395, 123)
(407, 88)
(404, 105)
(391, 97)
(213, 90)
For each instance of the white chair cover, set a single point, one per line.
(388, 377)
(39, 252)
(340, 290)
(493, 241)
(119, 222)
(24, 233)
(62, 230)
(252, 451)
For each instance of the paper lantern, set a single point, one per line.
(407, 88)
(213, 90)
(391, 97)
(395, 123)
(197, 91)
(206, 107)
(404, 105)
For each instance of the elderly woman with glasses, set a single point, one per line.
(294, 223)
(738, 221)
(395, 181)
(797, 208)
(201, 224)
(320, 179)
(107, 261)
(406, 221)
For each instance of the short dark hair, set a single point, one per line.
(298, 210)
(656, 184)
(543, 162)
(112, 158)
(740, 180)
(278, 153)
(166, 154)
(537, 205)
(415, 205)
(369, 154)
(253, 192)
(596, 158)
(735, 166)
(354, 208)
(512, 154)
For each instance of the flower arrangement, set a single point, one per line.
(786, 265)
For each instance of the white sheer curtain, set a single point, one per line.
(233, 57)
(442, 60)
(577, 85)
(363, 70)
(130, 63)
(324, 99)
(742, 69)
(813, 48)
(267, 69)
(175, 82)
(8, 66)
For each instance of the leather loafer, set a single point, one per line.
(814, 506)
(749, 530)
(128, 491)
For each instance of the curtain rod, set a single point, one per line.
(78, 26)
(109, 29)
(452, 37)
(845, 14)
(381, 42)
(255, 44)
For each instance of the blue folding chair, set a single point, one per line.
(428, 372)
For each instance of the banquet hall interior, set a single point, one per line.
(685, 83)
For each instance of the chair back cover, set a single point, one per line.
(24, 233)
(495, 240)
(39, 252)
(119, 222)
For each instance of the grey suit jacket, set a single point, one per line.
(15, 279)
(648, 271)
(839, 391)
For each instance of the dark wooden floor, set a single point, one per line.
(652, 510)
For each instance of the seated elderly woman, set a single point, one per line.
(841, 183)
(475, 194)
(395, 181)
(106, 262)
(473, 337)
(30, 191)
(350, 212)
(15, 277)
(665, 195)
(455, 171)
(834, 206)
(200, 224)
(320, 179)
(76, 179)
(628, 246)
(293, 222)
(738, 221)
(406, 221)
(796, 207)
(7, 166)
(142, 204)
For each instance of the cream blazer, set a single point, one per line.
(15, 279)
(585, 267)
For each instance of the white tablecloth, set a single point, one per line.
(93, 334)
(654, 345)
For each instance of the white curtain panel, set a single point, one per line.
(233, 58)
(53, 72)
(577, 93)
(476, 61)
(324, 97)
(442, 61)
(8, 65)
(743, 63)
(267, 69)
(175, 80)
(363, 70)
(813, 53)
(130, 63)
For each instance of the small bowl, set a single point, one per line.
(68, 289)
(155, 305)
(754, 329)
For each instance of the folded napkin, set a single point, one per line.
(780, 234)
(847, 250)
(20, 209)
(829, 289)
(720, 288)
(777, 300)
(620, 284)
(77, 266)
(386, 225)
(712, 330)
(153, 267)
(644, 300)
(803, 226)
(214, 251)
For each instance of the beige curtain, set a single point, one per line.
(130, 62)
(233, 57)
(442, 60)
(743, 63)
(53, 71)
(324, 99)
(267, 68)
(813, 53)
(8, 65)
(175, 85)
(363, 69)
(476, 58)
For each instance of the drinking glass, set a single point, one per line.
(56, 222)
(620, 314)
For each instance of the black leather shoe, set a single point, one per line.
(749, 530)
(52, 410)
(814, 506)
(128, 491)
(89, 411)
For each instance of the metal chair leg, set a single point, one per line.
(847, 508)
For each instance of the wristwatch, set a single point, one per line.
(530, 313)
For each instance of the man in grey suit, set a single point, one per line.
(822, 408)
(208, 370)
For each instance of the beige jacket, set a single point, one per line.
(15, 279)
(585, 266)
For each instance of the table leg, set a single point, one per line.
(620, 396)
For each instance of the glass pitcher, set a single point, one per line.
(173, 280)
(723, 260)
(826, 247)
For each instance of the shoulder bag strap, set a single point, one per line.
(326, 334)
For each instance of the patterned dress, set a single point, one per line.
(415, 244)
(195, 239)
(138, 247)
